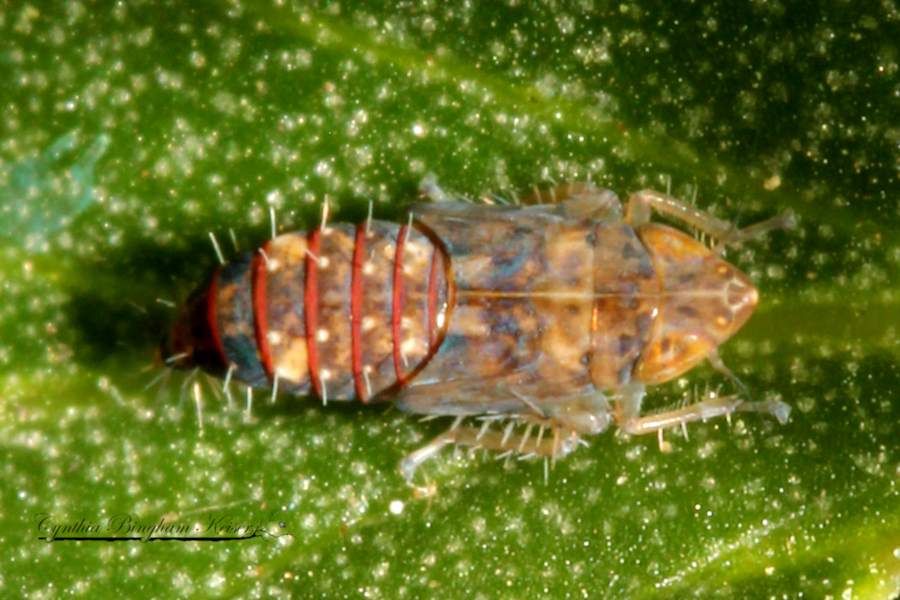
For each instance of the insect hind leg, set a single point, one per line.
(629, 404)
(641, 204)
(559, 444)
(553, 430)
(575, 199)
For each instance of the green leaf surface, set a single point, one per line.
(177, 119)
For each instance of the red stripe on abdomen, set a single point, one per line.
(397, 306)
(410, 322)
(311, 304)
(356, 292)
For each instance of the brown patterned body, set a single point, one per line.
(485, 306)
(543, 313)
(547, 307)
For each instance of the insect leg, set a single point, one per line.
(716, 362)
(641, 204)
(416, 458)
(562, 443)
(567, 419)
(585, 415)
(629, 401)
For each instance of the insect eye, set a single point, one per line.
(723, 321)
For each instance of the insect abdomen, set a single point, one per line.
(342, 312)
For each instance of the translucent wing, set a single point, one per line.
(519, 320)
